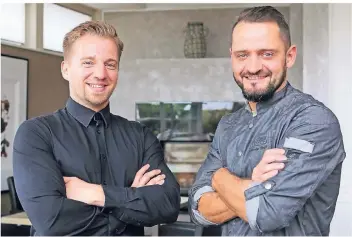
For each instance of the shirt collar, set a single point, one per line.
(264, 106)
(85, 115)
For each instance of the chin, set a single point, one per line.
(98, 100)
(256, 87)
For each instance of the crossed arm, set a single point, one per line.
(93, 194)
(228, 201)
(316, 149)
(52, 210)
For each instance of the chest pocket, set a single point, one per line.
(244, 153)
(255, 152)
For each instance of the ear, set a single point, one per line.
(64, 70)
(291, 56)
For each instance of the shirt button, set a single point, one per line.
(98, 131)
(104, 182)
(239, 153)
(103, 156)
(267, 186)
(250, 125)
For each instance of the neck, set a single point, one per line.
(253, 105)
(98, 108)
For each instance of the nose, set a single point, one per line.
(254, 65)
(100, 71)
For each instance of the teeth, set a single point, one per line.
(96, 86)
(255, 77)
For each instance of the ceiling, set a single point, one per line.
(115, 7)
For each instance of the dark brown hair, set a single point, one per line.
(266, 14)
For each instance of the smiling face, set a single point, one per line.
(92, 70)
(260, 59)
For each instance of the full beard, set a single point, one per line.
(267, 93)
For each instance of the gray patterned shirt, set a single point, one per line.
(300, 199)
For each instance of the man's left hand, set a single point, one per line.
(79, 190)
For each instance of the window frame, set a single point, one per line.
(43, 34)
(12, 42)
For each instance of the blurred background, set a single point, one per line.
(175, 76)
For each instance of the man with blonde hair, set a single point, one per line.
(82, 170)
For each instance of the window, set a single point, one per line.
(184, 121)
(57, 22)
(13, 22)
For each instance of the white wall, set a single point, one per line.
(295, 74)
(316, 50)
(159, 34)
(327, 75)
(153, 67)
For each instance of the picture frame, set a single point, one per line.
(14, 108)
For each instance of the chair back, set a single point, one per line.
(180, 228)
(15, 202)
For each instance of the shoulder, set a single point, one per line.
(134, 132)
(126, 123)
(130, 126)
(309, 110)
(313, 121)
(39, 126)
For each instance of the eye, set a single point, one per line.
(241, 55)
(268, 54)
(111, 66)
(88, 63)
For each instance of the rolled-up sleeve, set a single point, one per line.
(314, 148)
(202, 184)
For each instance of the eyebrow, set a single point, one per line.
(89, 57)
(259, 50)
(111, 60)
(93, 58)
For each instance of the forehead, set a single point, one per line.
(256, 36)
(93, 45)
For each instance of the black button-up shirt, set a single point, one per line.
(99, 148)
(301, 199)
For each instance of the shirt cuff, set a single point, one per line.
(201, 219)
(118, 196)
(253, 194)
(201, 191)
(258, 188)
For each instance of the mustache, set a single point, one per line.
(260, 73)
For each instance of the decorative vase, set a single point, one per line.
(195, 40)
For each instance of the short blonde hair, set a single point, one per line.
(98, 28)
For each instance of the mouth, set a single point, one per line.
(255, 78)
(98, 88)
